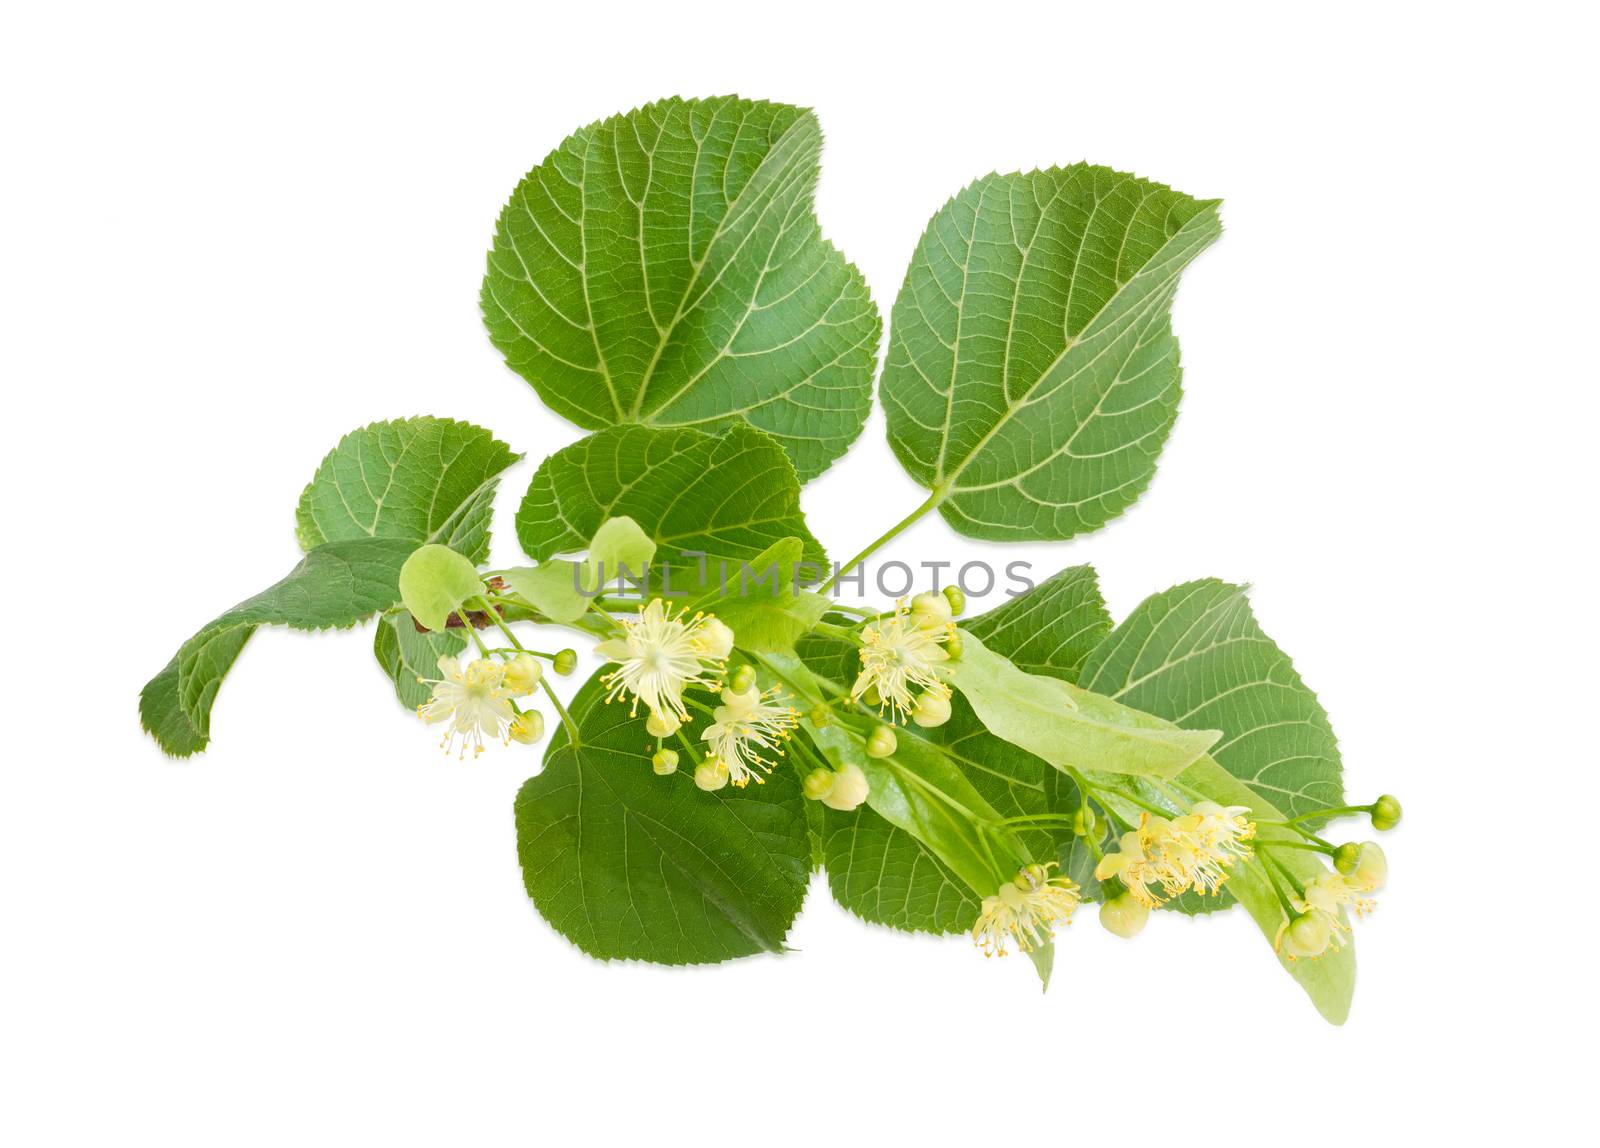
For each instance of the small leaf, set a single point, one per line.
(1032, 375)
(665, 267)
(430, 479)
(709, 502)
(1068, 726)
(435, 582)
(552, 587)
(630, 865)
(619, 548)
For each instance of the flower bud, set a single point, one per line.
(662, 724)
(872, 697)
(953, 646)
(1386, 812)
(711, 775)
(933, 709)
(849, 789)
(1306, 936)
(1083, 821)
(718, 638)
(930, 611)
(743, 678)
(882, 742)
(818, 784)
(522, 674)
(565, 662)
(821, 715)
(1346, 856)
(664, 762)
(1124, 915)
(957, 600)
(527, 727)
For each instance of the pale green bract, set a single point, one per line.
(1068, 726)
(1032, 374)
(436, 582)
(562, 590)
(665, 267)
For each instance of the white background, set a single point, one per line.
(232, 235)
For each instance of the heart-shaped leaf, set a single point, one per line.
(627, 864)
(709, 502)
(1032, 374)
(665, 267)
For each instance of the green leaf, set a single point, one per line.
(630, 865)
(435, 582)
(886, 876)
(335, 585)
(1050, 629)
(428, 479)
(401, 484)
(1032, 374)
(552, 587)
(1196, 656)
(408, 654)
(1069, 726)
(763, 609)
(729, 497)
(665, 267)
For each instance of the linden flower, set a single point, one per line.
(1025, 911)
(1138, 863)
(744, 726)
(659, 656)
(1321, 925)
(1193, 851)
(898, 653)
(474, 700)
(1330, 892)
(1204, 842)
